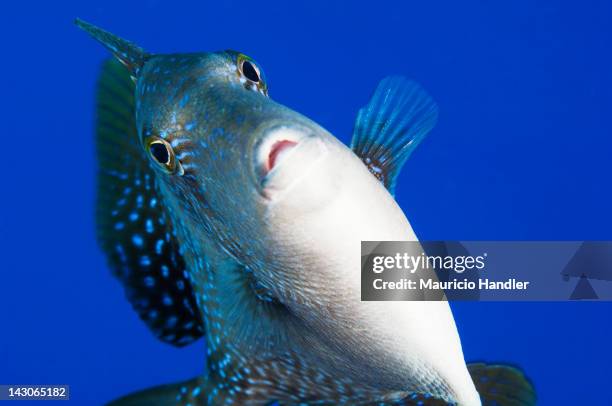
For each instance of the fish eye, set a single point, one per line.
(252, 76)
(161, 153)
(250, 71)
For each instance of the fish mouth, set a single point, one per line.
(284, 156)
(279, 151)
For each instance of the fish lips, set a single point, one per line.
(284, 157)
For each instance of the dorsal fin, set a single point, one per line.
(387, 130)
(129, 54)
(132, 225)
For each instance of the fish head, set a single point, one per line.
(226, 155)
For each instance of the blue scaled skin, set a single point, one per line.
(181, 209)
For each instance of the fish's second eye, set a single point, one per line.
(249, 71)
(161, 152)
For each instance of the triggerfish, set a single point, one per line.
(230, 216)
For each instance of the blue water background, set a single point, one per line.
(522, 151)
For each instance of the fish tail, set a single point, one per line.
(502, 385)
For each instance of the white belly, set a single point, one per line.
(320, 221)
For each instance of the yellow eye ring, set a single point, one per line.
(162, 154)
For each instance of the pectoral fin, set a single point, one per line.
(389, 128)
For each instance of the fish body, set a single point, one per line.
(228, 215)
